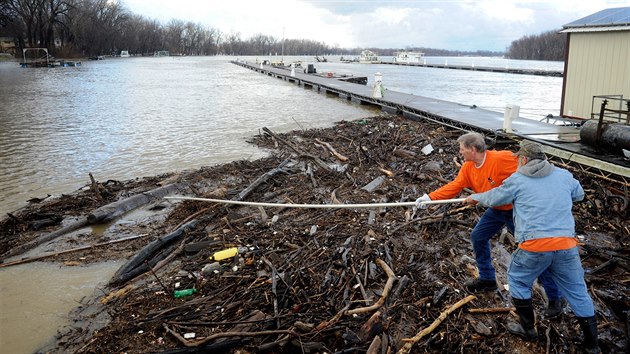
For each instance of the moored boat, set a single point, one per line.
(408, 57)
(368, 57)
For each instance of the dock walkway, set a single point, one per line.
(506, 70)
(559, 141)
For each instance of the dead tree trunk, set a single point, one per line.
(112, 210)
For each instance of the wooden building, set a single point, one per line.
(7, 45)
(597, 65)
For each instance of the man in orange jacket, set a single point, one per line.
(484, 170)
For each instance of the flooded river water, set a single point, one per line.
(133, 117)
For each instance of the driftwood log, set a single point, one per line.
(260, 180)
(81, 222)
(101, 215)
(410, 342)
(137, 264)
(111, 211)
(391, 277)
(332, 150)
(53, 254)
(298, 151)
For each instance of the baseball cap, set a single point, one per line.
(531, 150)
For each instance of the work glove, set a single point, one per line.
(425, 198)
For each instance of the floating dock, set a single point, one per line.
(559, 141)
(50, 64)
(506, 70)
(39, 58)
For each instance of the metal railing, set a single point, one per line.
(611, 108)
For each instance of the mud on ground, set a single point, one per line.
(322, 280)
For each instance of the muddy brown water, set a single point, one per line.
(37, 297)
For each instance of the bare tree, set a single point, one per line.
(548, 45)
(192, 38)
(97, 26)
(27, 12)
(232, 44)
(151, 37)
(55, 15)
(175, 36)
(7, 13)
(260, 44)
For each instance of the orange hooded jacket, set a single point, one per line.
(498, 166)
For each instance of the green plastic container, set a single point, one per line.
(184, 292)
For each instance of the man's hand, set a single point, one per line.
(470, 200)
(419, 202)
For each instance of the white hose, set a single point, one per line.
(321, 206)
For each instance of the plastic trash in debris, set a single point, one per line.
(227, 253)
(183, 293)
(211, 268)
(189, 335)
(467, 259)
(427, 149)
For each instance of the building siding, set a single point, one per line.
(598, 64)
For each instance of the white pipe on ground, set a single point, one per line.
(319, 206)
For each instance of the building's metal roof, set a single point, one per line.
(596, 29)
(619, 16)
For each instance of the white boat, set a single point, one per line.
(408, 57)
(124, 54)
(368, 57)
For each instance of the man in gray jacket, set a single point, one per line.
(543, 196)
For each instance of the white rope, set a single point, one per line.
(320, 206)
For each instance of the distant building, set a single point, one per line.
(597, 64)
(7, 45)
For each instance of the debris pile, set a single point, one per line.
(217, 277)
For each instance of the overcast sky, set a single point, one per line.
(444, 24)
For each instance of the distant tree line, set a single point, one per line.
(97, 27)
(438, 52)
(548, 45)
(102, 27)
(71, 28)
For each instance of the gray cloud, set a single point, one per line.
(445, 24)
(453, 24)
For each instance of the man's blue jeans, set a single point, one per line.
(491, 222)
(563, 266)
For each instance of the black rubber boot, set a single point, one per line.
(554, 308)
(526, 329)
(476, 285)
(589, 328)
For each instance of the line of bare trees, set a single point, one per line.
(548, 45)
(102, 27)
